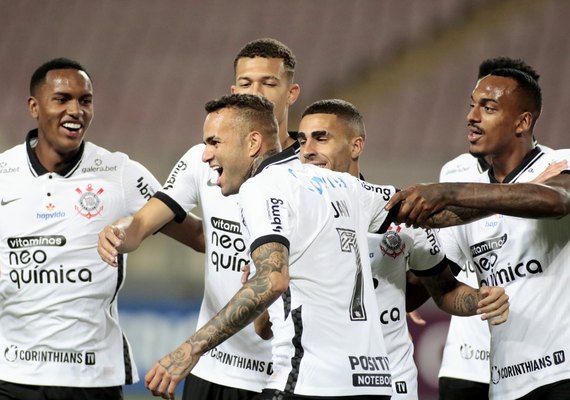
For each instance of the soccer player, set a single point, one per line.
(464, 372)
(521, 242)
(332, 135)
(239, 367)
(59, 328)
(306, 232)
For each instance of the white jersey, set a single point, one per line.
(466, 351)
(244, 360)
(528, 257)
(58, 300)
(391, 254)
(327, 339)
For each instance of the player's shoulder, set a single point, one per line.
(13, 152)
(195, 152)
(556, 154)
(98, 158)
(462, 167)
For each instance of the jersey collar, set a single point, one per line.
(38, 169)
(526, 163)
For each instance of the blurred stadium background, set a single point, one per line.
(408, 65)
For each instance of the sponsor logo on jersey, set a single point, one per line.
(228, 247)
(89, 201)
(13, 354)
(499, 373)
(36, 241)
(320, 183)
(498, 275)
(391, 244)
(47, 276)
(225, 225)
(401, 387)
(371, 371)
(98, 167)
(384, 191)
(494, 273)
(143, 188)
(275, 212)
(467, 352)
(181, 166)
(392, 315)
(5, 169)
(50, 214)
(433, 241)
(486, 246)
(240, 362)
(4, 202)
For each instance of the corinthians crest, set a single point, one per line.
(391, 244)
(89, 202)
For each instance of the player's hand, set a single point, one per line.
(552, 170)
(169, 371)
(110, 238)
(416, 318)
(418, 203)
(494, 304)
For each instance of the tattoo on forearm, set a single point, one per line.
(451, 295)
(466, 303)
(250, 301)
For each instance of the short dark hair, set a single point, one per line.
(530, 89)
(269, 48)
(342, 109)
(257, 110)
(39, 75)
(490, 64)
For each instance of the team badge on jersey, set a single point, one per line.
(89, 202)
(391, 244)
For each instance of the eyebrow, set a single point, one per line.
(485, 100)
(209, 139)
(264, 77)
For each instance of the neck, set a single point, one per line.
(284, 137)
(259, 159)
(504, 164)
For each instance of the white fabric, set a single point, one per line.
(529, 258)
(327, 337)
(391, 254)
(58, 300)
(466, 351)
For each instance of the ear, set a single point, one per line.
(357, 147)
(254, 143)
(33, 107)
(294, 91)
(233, 89)
(524, 123)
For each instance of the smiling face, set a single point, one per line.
(494, 121)
(227, 150)
(63, 107)
(329, 142)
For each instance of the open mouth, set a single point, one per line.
(474, 134)
(216, 173)
(73, 128)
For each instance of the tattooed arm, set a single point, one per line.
(457, 298)
(447, 204)
(269, 282)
